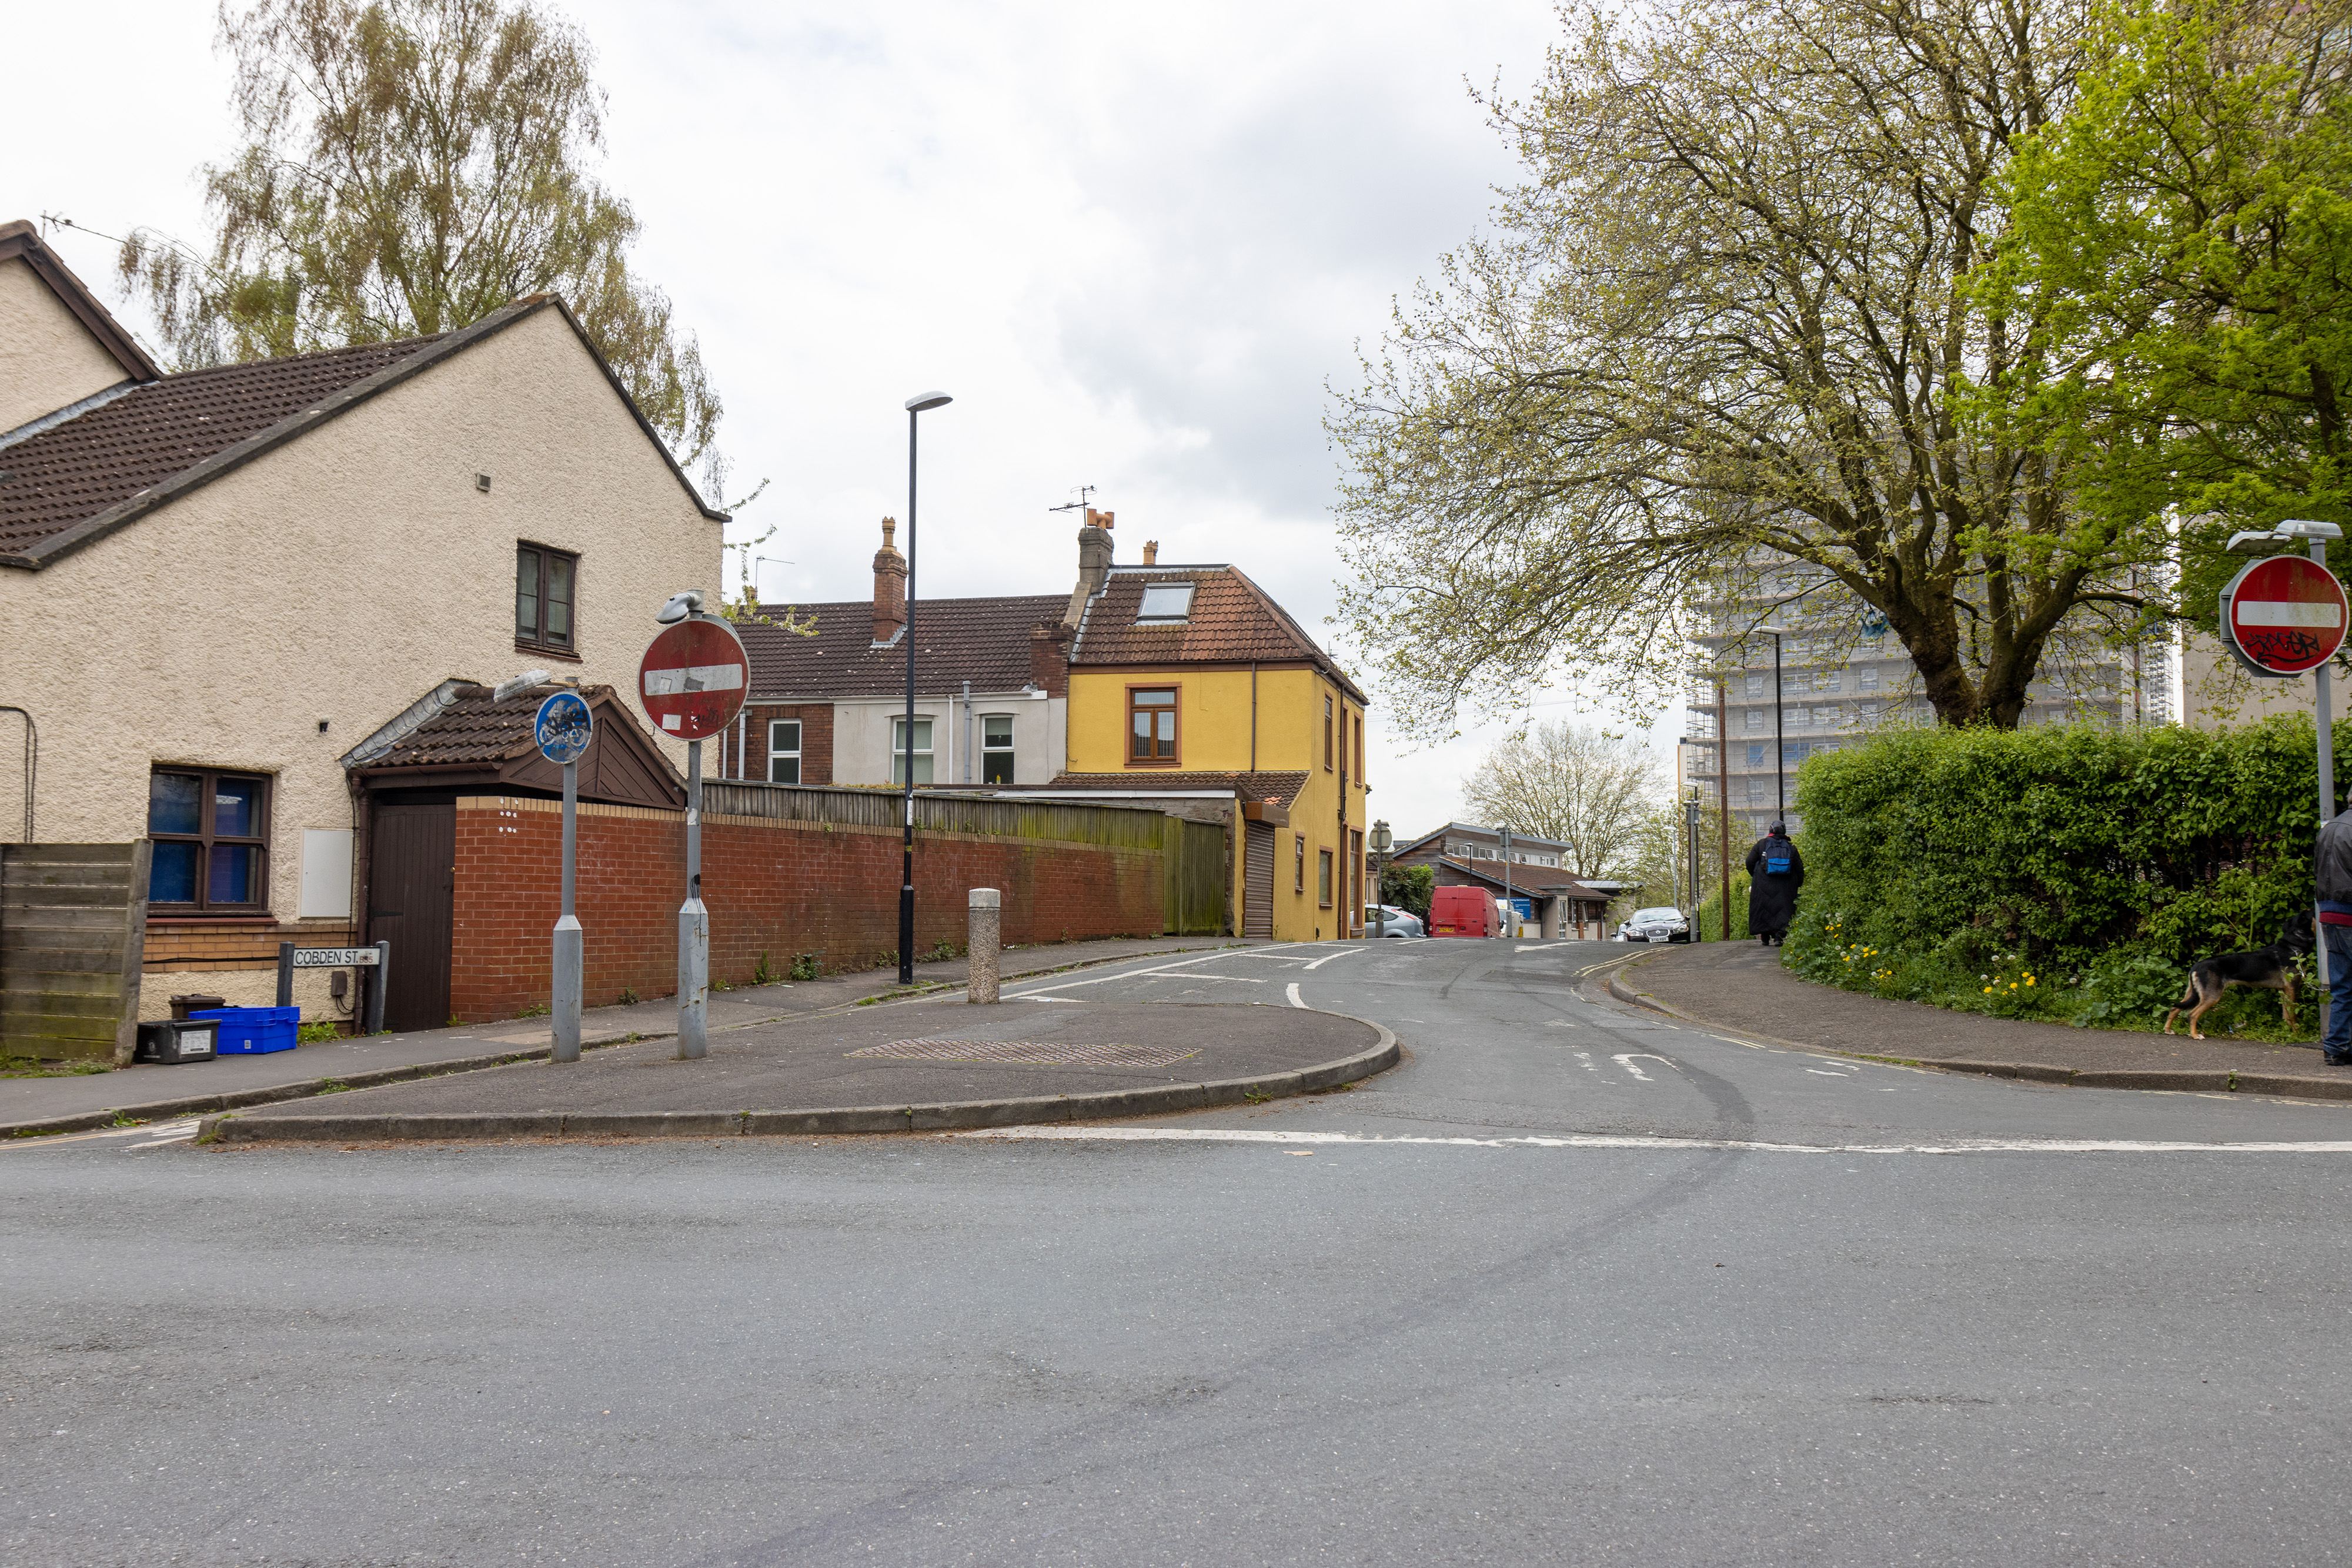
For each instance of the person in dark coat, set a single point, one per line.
(1772, 894)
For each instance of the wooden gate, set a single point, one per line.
(73, 932)
(1257, 879)
(412, 876)
(1197, 863)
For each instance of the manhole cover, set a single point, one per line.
(1028, 1053)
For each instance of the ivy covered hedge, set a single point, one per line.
(2069, 872)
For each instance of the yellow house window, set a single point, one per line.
(1298, 862)
(1327, 733)
(1323, 878)
(1152, 726)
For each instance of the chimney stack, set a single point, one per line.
(1151, 552)
(1049, 658)
(1094, 564)
(889, 587)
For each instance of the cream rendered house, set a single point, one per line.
(224, 591)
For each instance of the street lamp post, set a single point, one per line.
(1511, 911)
(1383, 842)
(1780, 732)
(915, 407)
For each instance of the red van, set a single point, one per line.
(1464, 912)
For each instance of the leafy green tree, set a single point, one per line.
(1722, 326)
(409, 167)
(2181, 242)
(1592, 790)
(1409, 887)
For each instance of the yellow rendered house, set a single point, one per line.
(1191, 690)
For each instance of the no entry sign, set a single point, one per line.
(2284, 616)
(692, 678)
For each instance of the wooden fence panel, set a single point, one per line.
(73, 928)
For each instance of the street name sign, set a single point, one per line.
(693, 677)
(563, 727)
(2283, 616)
(334, 958)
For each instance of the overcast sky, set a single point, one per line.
(1134, 244)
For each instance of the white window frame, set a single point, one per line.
(925, 732)
(777, 753)
(1005, 750)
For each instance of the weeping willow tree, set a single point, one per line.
(408, 167)
(1721, 335)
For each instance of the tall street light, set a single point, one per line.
(1382, 843)
(1780, 739)
(915, 407)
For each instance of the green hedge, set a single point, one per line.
(2063, 872)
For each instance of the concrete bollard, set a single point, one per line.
(987, 925)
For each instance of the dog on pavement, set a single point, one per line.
(2268, 968)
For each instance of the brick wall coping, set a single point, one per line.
(789, 824)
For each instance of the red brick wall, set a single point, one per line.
(781, 888)
(816, 742)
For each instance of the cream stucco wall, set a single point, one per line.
(47, 358)
(2216, 690)
(862, 737)
(338, 579)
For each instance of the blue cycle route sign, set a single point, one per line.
(563, 727)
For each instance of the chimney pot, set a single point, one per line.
(1151, 552)
(889, 586)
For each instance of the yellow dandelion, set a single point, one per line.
(1988, 990)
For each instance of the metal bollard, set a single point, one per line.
(987, 911)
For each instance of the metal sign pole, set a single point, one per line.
(693, 926)
(1511, 911)
(569, 942)
(2327, 737)
(376, 987)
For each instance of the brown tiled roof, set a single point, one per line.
(983, 641)
(1281, 788)
(84, 466)
(1525, 878)
(474, 728)
(1232, 622)
(78, 481)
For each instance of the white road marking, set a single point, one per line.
(1611, 1141)
(1293, 994)
(1626, 1062)
(1342, 952)
(1537, 947)
(1819, 1073)
(1124, 975)
(1561, 1023)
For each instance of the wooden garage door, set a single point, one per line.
(1257, 879)
(412, 873)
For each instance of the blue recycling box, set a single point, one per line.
(254, 1032)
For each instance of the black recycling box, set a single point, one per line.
(178, 1041)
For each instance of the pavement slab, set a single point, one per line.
(145, 1091)
(1744, 987)
(1011, 1061)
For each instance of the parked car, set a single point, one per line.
(1399, 922)
(1464, 912)
(1664, 923)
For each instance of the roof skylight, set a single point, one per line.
(1165, 602)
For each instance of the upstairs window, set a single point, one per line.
(899, 751)
(1298, 862)
(212, 842)
(546, 582)
(1327, 733)
(1152, 726)
(784, 751)
(1165, 603)
(996, 748)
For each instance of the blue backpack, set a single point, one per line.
(1777, 853)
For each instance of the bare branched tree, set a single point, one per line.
(410, 166)
(1589, 790)
(1722, 325)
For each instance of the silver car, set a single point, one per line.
(1400, 921)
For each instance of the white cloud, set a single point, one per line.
(1134, 243)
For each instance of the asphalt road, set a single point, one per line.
(1570, 1286)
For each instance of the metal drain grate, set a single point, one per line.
(1028, 1053)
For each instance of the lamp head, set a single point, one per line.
(680, 606)
(923, 402)
(1382, 840)
(2305, 529)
